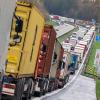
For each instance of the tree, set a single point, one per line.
(74, 8)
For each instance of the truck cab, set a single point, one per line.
(74, 64)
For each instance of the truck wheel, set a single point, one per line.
(63, 83)
(29, 89)
(51, 85)
(19, 89)
(45, 86)
(67, 79)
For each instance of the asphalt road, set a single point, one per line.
(82, 89)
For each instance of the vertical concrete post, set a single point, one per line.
(7, 8)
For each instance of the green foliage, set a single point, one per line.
(98, 89)
(74, 8)
(90, 66)
(50, 22)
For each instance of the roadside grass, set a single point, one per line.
(98, 89)
(90, 65)
(90, 68)
(50, 22)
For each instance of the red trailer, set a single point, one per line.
(44, 59)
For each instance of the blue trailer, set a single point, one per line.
(74, 64)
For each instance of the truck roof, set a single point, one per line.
(83, 42)
(78, 47)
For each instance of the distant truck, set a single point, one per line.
(74, 63)
(62, 71)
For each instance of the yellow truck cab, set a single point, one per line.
(25, 38)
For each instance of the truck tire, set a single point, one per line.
(45, 86)
(56, 84)
(52, 86)
(19, 89)
(42, 88)
(67, 79)
(62, 82)
(29, 90)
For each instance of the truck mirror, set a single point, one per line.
(19, 25)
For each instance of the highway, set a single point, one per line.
(78, 88)
(82, 89)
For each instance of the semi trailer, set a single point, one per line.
(50, 55)
(44, 60)
(74, 63)
(62, 70)
(57, 56)
(24, 44)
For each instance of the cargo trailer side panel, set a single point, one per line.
(45, 56)
(22, 57)
(50, 52)
(55, 63)
(32, 43)
(15, 52)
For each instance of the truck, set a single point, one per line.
(67, 46)
(24, 44)
(74, 63)
(73, 41)
(56, 58)
(84, 43)
(62, 70)
(5, 27)
(44, 60)
(80, 50)
(47, 77)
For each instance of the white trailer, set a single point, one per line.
(67, 46)
(80, 50)
(83, 43)
(87, 38)
(7, 8)
(73, 41)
